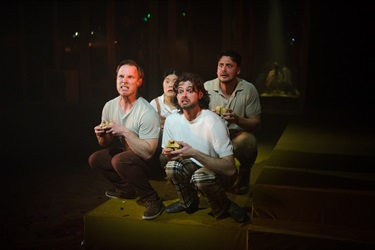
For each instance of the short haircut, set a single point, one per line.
(132, 63)
(235, 56)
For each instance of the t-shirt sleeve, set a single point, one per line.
(167, 132)
(221, 141)
(253, 106)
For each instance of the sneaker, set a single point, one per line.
(237, 213)
(153, 209)
(177, 207)
(117, 194)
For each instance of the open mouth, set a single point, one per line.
(185, 102)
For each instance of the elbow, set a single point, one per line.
(258, 122)
(147, 157)
(231, 172)
(256, 125)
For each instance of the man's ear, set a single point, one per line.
(200, 95)
(238, 71)
(140, 81)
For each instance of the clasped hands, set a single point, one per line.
(110, 128)
(226, 113)
(173, 152)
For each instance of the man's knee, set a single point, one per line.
(245, 142)
(245, 147)
(93, 160)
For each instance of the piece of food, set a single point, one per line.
(217, 110)
(220, 110)
(104, 124)
(173, 144)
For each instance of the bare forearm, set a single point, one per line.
(224, 166)
(143, 148)
(249, 124)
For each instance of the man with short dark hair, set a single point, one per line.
(240, 100)
(129, 133)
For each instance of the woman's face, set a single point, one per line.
(168, 82)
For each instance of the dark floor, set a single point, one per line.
(46, 181)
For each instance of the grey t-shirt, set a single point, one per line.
(142, 119)
(244, 100)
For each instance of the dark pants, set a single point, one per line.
(125, 170)
(245, 149)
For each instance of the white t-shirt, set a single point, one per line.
(207, 133)
(165, 110)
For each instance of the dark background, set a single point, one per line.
(331, 57)
(53, 86)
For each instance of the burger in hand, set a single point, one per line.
(220, 110)
(173, 145)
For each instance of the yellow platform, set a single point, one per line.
(317, 189)
(118, 224)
